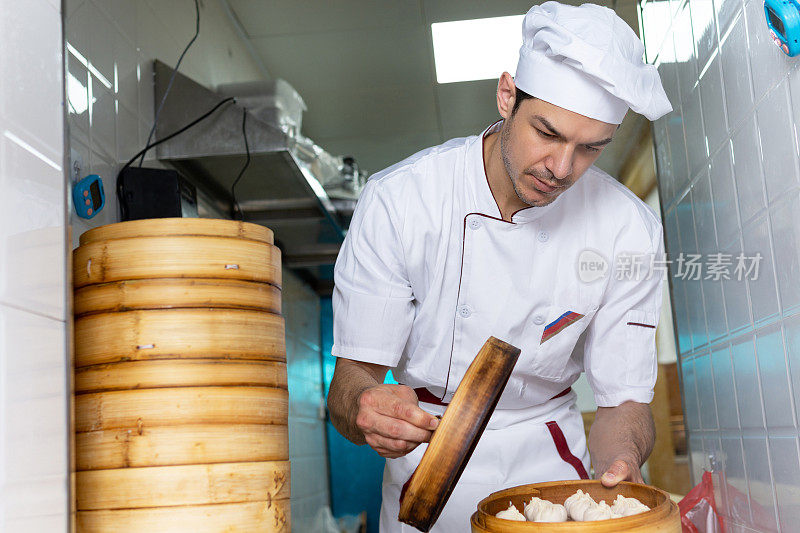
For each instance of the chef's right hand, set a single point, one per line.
(392, 421)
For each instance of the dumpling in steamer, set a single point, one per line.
(628, 506)
(539, 510)
(600, 511)
(553, 512)
(577, 504)
(531, 508)
(511, 514)
(577, 496)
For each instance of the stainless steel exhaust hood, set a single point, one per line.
(282, 188)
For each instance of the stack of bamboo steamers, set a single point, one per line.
(181, 398)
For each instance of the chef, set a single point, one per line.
(514, 234)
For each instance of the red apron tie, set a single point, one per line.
(424, 395)
(563, 449)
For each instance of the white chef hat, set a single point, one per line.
(588, 60)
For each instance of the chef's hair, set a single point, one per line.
(520, 97)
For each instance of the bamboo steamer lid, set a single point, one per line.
(151, 227)
(179, 373)
(176, 256)
(163, 486)
(177, 445)
(145, 408)
(663, 516)
(462, 424)
(270, 516)
(178, 333)
(176, 292)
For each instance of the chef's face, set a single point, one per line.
(546, 148)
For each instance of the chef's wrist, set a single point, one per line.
(356, 406)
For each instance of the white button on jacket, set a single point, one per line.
(427, 235)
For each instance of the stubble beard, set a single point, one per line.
(513, 175)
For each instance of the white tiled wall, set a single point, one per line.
(34, 364)
(728, 178)
(307, 449)
(111, 47)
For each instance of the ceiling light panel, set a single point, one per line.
(478, 49)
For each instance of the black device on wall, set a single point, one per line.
(155, 193)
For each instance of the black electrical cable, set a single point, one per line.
(172, 79)
(165, 139)
(237, 207)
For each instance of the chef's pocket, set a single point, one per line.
(557, 338)
(640, 352)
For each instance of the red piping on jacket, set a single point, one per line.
(463, 241)
(640, 324)
(458, 294)
(563, 449)
(461, 269)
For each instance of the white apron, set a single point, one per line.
(497, 463)
(429, 271)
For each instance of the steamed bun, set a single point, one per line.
(511, 514)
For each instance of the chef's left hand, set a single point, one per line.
(621, 470)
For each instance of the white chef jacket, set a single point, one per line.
(429, 270)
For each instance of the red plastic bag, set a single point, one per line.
(699, 510)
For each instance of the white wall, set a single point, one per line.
(33, 356)
(728, 177)
(111, 104)
(665, 334)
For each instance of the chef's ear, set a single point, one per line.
(506, 93)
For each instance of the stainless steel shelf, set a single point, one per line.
(277, 190)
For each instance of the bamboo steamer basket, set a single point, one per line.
(144, 408)
(181, 445)
(269, 516)
(176, 256)
(178, 333)
(156, 227)
(161, 373)
(663, 516)
(165, 486)
(181, 403)
(176, 293)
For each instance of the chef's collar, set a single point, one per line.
(484, 199)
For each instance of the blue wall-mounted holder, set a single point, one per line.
(88, 196)
(783, 19)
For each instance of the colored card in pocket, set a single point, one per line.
(559, 324)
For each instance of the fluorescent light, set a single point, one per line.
(88, 64)
(478, 49)
(659, 27)
(77, 95)
(656, 20)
